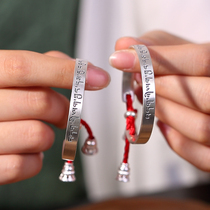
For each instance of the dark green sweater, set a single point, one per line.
(42, 25)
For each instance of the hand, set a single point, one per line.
(27, 100)
(182, 71)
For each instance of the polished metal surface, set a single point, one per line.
(90, 147)
(130, 113)
(148, 94)
(123, 173)
(67, 173)
(127, 85)
(75, 109)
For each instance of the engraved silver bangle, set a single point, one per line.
(75, 110)
(148, 94)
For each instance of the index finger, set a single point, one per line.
(185, 59)
(26, 68)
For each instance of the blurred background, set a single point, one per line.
(154, 166)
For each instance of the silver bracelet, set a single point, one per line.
(148, 94)
(75, 109)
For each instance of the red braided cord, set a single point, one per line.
(90, 133)
(130, 125)
(126, 151)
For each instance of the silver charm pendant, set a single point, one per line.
(67, 173)
(90, 147)
(123, 173)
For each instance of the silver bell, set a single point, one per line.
(90, 147)
(123, 172)
(67, 173)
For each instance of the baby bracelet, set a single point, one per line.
(148, 109)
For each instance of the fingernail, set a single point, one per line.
(96, 78)
(123, 59)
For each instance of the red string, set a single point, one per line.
(130, 125)
(90, 133)
(126, 151)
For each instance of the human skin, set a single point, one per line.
(27, 100)
(182, 82)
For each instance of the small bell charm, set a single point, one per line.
(123, 172)
(67, 173)
(90, 147)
